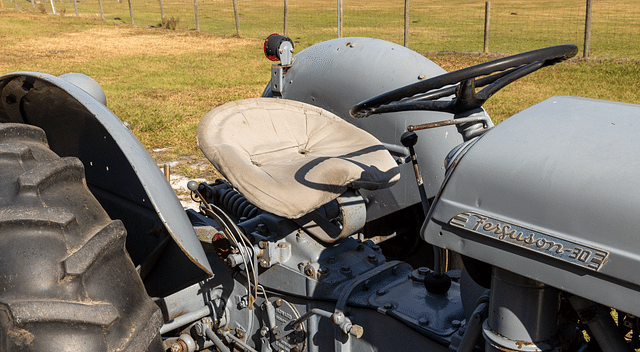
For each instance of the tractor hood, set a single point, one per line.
(553, 194)
(119, 171)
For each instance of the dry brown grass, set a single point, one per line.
(104, 42)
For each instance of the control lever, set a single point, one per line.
(409, 139)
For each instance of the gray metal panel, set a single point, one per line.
(340, 73)
(122, 177)
(565, 170)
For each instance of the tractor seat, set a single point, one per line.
(290, 158)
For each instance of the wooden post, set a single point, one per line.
(33, 4)
(339, 18)
(75, 6)
(487, 17)
(235, 11)
(16, 3)
(406, 23)
(161, 12)
(53, 7)
(167, 171)
(587, 31)
(131, 12)
(101, 9)
(286, 12)
(195, 6)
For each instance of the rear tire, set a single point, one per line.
(66, 280)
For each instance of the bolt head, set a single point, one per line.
(356, 331)
(338, 318)
(310, 271)
(345, 270)
(199, 329)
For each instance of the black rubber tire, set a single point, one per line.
(66, 280)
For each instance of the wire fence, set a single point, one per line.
(431, 26)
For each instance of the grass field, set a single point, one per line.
(162, 81)
(455, 25)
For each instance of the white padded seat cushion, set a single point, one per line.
(290, 158)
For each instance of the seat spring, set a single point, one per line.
(237, 204)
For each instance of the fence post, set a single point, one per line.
(75, 6)
(130, 11)
(587, 31)
(286, 12)
(33, 3)
(339, 18)
(406, 23)
(53, 7)
(101, 9)
(235, 11)
(195, 7)
(161, 12)
(487, 16)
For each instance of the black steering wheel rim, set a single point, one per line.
(499, 73)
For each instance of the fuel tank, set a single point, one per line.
(339, 73)
(552, 194)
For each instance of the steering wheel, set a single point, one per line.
(462, 84)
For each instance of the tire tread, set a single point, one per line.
(66, 282)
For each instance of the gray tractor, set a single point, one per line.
(368, 204)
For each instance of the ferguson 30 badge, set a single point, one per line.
(574, 253)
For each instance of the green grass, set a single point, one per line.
(168, 108)
(163, 97)
(609, 80)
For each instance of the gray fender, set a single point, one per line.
(119, 171)
(340, 73)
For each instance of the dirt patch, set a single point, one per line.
(21, 337)
(106, 42)
(182, 169)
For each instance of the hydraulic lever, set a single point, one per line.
(409, 139)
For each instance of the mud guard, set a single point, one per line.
(119, 171)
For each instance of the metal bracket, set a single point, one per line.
(483, 119)
(337, 317)
(277, 80)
